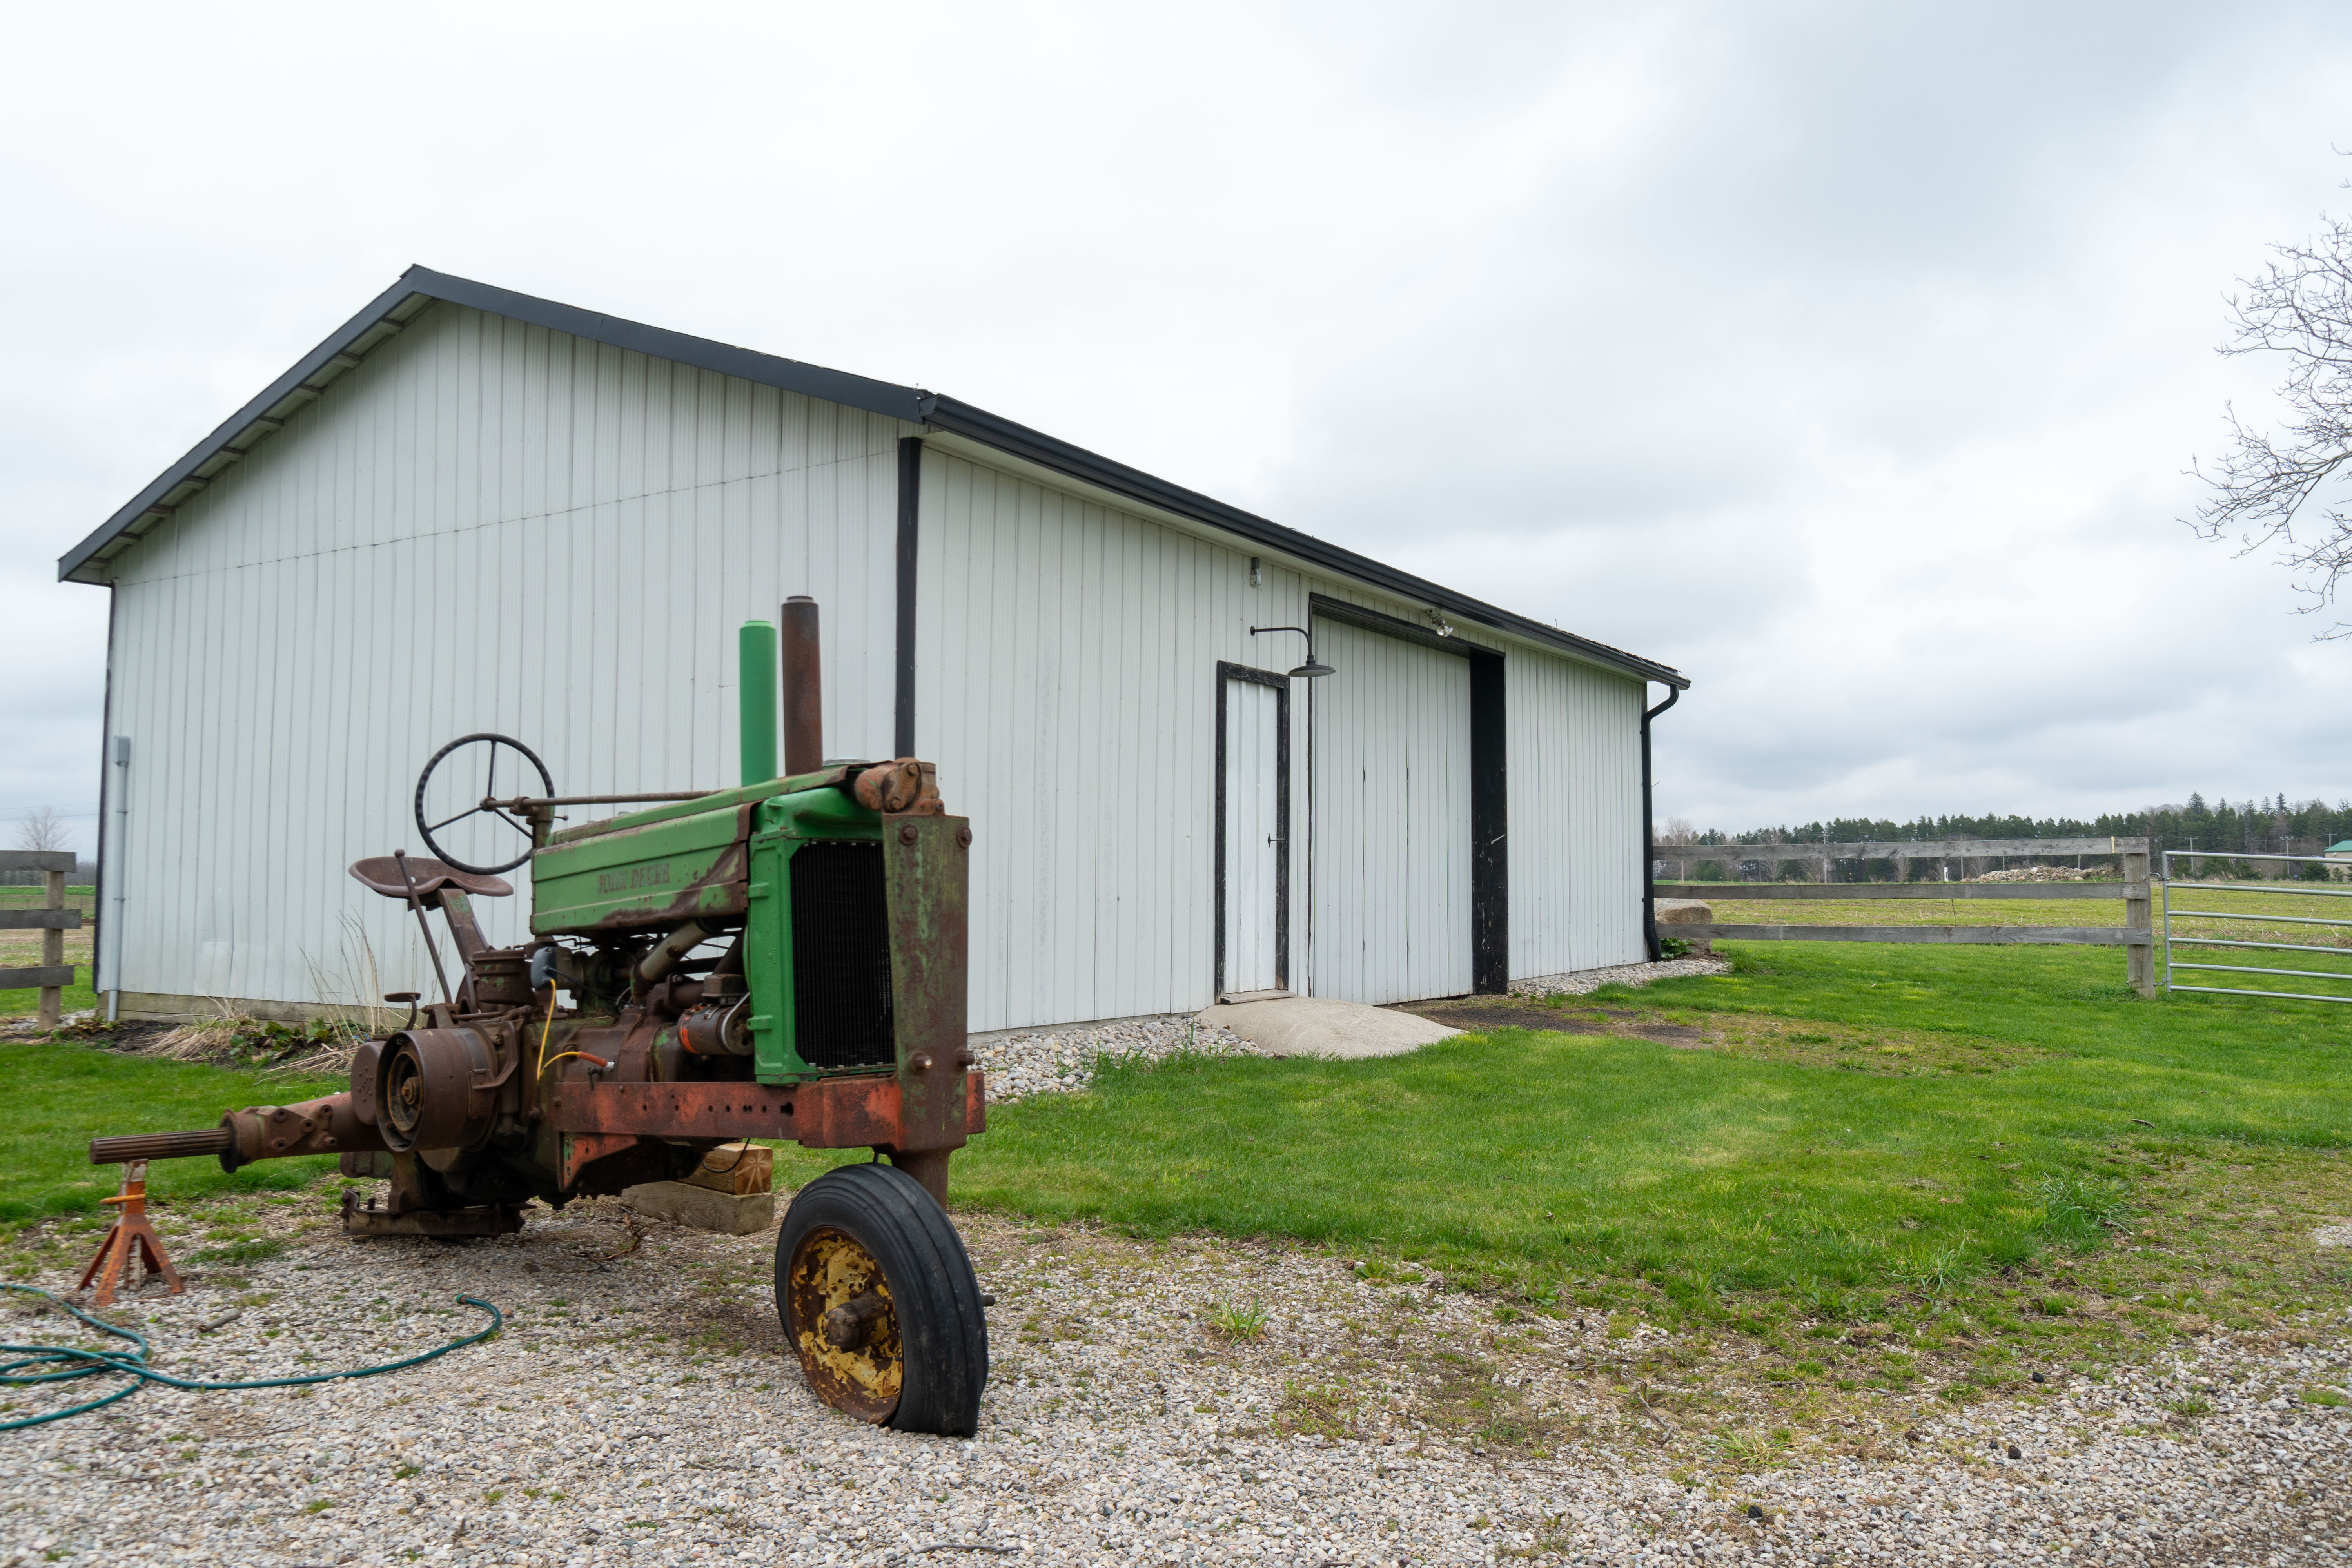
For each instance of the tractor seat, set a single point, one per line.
(381, 873)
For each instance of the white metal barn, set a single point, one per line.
(471, 509)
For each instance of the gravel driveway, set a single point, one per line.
(645, 1410)
(642, 1408)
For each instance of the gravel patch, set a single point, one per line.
(642, 1409)
(1587, 980)
(1019, 1066)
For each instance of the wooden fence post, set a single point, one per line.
(53, 951)
(52, 920)
(2140, 927)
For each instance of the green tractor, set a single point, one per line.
(784, 960)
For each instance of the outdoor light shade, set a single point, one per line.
(1313, 667)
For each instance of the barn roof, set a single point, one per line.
(387, 314)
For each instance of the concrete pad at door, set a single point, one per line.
(1316, 1027)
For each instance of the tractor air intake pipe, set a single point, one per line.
(756, 648)
(674, 946)
(803, 670)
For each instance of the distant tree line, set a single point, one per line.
(2225, 829)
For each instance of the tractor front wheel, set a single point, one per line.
(878, 1298)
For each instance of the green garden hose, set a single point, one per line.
(133, 1363)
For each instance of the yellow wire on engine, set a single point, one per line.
(546, 1029)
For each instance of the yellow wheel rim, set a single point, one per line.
(829, 1271)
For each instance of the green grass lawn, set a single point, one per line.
(1867, 1118)
(60, 1095)
(1854, 1127)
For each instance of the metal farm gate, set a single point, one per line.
(2330, 890)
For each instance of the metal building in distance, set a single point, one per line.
(471, 509)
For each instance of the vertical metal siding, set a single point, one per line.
(1575, 800)
(488, 526)
(1575, 816)
(1065, 683)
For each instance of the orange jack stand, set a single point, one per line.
(132, 1228)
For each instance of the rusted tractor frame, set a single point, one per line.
(784, 960)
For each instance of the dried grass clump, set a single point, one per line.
(323, 1044)
(235, 1039)
(200, 1040)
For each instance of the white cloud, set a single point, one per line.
(1846, 356)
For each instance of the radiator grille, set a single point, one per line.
(841, 957)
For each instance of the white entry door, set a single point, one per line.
(1390, 818)
(1252, 831)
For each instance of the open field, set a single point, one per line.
(2252, 898)
(23, 947)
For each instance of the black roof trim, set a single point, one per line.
(910, 403)
(703, 353)
(991, 430)
(211, 446)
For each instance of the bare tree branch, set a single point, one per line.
(44, 829)
(2284, 490)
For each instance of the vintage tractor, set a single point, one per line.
(785, 960)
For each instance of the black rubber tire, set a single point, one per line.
(942, 1330)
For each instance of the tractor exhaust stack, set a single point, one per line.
(804, 672)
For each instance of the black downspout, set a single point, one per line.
(910, 514)
(105, 798)
(1649, 838)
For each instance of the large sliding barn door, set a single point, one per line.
(1392, 819)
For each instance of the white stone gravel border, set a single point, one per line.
(1584, 981)
(1059, 1061)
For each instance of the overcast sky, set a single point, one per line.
(1846, 357)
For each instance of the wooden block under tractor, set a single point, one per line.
(729, 1214)
(737, 1168)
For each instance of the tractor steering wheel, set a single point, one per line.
(456, 800)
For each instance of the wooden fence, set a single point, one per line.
(2137, 935)
(53, 922)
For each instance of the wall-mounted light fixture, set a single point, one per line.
(1310, 669)
(1257, 572)
(1442, 626)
